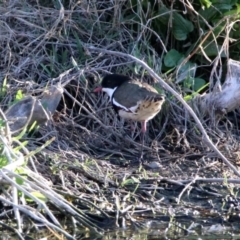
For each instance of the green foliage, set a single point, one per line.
(186, 71)
(3, 159)
(131, 180)
(172, 58)
(194, 83)
(23, 173)
(3, 90)
(20, 181)
(211, 49)
(181, 26)
(199, 31)
(205, 3)
(38, 195)
(14, 154)
(198, 89)
(19, 95)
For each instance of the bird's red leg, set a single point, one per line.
(132, 126)
(144, 126)
(144, 129)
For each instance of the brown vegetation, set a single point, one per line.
(82, 165)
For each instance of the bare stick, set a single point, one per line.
(36, 216)
(185, 188)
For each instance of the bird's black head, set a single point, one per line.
(114, 80)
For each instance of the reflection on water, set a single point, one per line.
(154, 231)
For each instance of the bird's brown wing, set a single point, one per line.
(132, 92)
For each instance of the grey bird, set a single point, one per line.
(132, 99)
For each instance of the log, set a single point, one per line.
(221, 100)
(31, 109)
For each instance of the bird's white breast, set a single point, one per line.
(109, 91)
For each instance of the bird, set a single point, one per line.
(131, 99)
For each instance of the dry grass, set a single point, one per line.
(90, 167)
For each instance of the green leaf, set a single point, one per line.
(38, 195)
(132, 180)
(238, 7)
(172, 58)
(191, 96)
(181, 26)
(22, 172)
(3, 161)
(205, 3)
(198, 84)
(207, 14)
(19, 95)
(224, 4)
(188, 83)
(231, 13)
(211, 49)
(4, 87)
(19, 181)
(2, 123)
(186, 71)
(33, 126)
(19, 147)
(194, 83)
